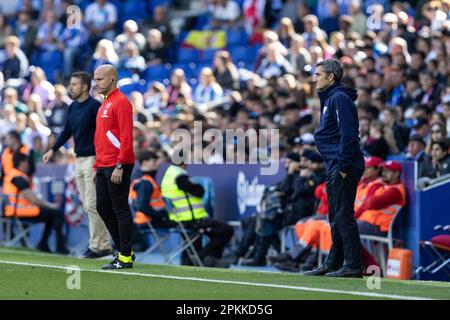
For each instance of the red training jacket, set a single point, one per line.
(113, 139)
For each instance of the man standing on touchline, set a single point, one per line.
(115, 160)
(337, 139)
(81, 125)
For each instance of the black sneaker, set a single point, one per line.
(89, 254)
(282, 257)
(116, 255)
(117, 264)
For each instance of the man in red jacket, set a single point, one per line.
(113, 143)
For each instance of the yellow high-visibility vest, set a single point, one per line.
(181, 205)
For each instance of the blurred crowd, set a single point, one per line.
(395, 53)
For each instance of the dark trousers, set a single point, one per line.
(219, 234)
(344, 230)
(53, 219)
(113, 207)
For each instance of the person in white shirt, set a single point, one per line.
(208, 88)
(224, 13)
(101, 18)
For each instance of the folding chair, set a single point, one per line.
(439, 250)
(377, 244)
(15, 229)
(153, 232)
(284, 233)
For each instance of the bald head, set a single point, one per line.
(105, 77)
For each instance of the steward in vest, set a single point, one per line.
(185, 205)
(384, 204)
(23, 203)
(148, 202)
(14, 144)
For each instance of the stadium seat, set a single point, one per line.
(50, 62)
(187, 55)
(240, 54)
(236, 38)
(157, 72)
(207, 56)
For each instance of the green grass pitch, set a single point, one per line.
(27, 274)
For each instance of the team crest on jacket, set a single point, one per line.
(105, 111)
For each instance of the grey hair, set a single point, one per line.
(332, 66)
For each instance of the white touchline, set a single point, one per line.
(268, 285)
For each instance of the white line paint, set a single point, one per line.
(254, 284)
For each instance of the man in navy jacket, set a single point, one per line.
(337, 139)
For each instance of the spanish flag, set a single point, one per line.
(206, 39)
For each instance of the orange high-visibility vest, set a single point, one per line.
(383, 217)
(156, 199)
(361, 192)
(7, 158)
(17, 205)
(308, 233)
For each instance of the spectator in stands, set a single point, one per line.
(359, 24)
(225, 71)
(104, 54)
(413, 93)
(274, 64)
(178, 85)
(11, 97)
(421, 127)
(25, 204)
(7, 120)
(34, 105)
(416, 152)
(331, 23)
(26, 31)
(312, 30)
(37, 129)
(131, 60)
(208, 89)
(101, 19)
(381, 207)
(72, 43)
(139, 113)
(5, 31)
(376, 144)
(431, 90)
(438, 133)
(48, 33)
(57, 111)
(16, 64)
(130, 34)
(298, 55)
(155, 51)
(286, 32)
(224, 13)
(440, 159)
(156, 97)
(161, 22)
(394, 131)
(40, 86)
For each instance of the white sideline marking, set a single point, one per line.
(267, 285)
